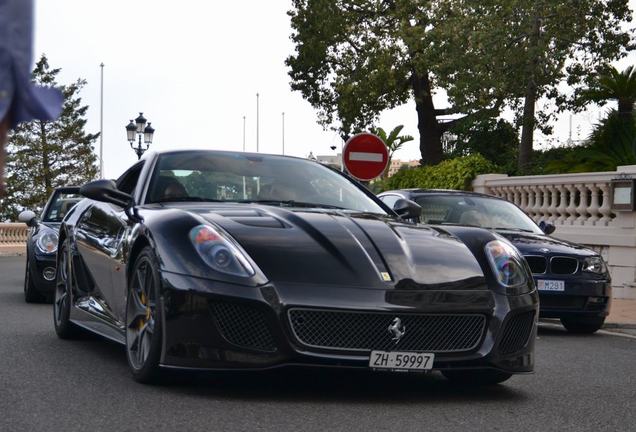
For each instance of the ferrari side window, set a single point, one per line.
(128, 180)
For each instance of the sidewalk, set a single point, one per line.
(622, 313)
(12, 250)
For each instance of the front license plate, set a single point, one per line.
(550, 285)
(397, 360)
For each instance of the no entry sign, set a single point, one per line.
(365, 156)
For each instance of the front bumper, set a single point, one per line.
(583, 298)
(212, 325)
(38, 263)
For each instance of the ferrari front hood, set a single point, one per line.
(348, 249)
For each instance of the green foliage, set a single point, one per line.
(496, 140)
(612, 84)
(612, 143)
(455, 173)
(393, 141)
(44, 155)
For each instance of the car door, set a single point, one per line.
(101, 240)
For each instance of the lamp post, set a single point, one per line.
(138, 127)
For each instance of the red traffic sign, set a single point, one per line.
(365, 156)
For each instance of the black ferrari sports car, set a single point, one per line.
(225, 260)
(574, 283)
(39, 274)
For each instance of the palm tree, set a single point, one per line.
(615, 85)
(393, 141)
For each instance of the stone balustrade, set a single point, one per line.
(579, 205)
(13, 238)
(13, 234)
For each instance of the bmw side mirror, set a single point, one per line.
(28, 217)
(407, 209)
(106, 191)
(547, 228)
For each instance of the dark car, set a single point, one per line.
(39, 274)
(573, 281)
(224, 260)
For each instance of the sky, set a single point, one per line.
(194, 69)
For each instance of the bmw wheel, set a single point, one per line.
(583, 325)
(64, 328)
(143, 319)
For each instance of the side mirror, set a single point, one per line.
(28, 217)
(407, 209)
(547, 228)
(106, 191)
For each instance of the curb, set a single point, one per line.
(628, 326)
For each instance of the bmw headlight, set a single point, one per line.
(47, 242)
(594, 264)
(507, 265)
(219, 252)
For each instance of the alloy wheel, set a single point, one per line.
(141, 313)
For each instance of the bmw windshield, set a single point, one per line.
(254, 178)
(483, 212)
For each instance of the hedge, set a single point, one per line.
(455, 173)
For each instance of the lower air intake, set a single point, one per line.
(244, 326)
(517, 332)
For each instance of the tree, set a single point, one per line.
(496, 140)
(614, 85)
(356, 58)
(540, 45)
(44, 155)
(393, 141)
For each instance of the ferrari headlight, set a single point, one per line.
(507, 264)
(219, 252)
(47, 243)
(594, 264)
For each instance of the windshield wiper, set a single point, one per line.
(290, 203)
(458, 224)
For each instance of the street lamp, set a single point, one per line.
(138, 127)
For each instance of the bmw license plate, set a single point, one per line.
(398, 360)
(550, 285)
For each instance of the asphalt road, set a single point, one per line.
(582, 383)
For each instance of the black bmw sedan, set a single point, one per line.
(573, 281)
(225, 260)
(39, 273)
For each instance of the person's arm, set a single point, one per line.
(4, 130)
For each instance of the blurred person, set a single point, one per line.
(20, 100)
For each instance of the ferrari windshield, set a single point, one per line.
(243, 177)
(484, 212)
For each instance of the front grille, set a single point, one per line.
(538, 264)
(516, 333)
(563, 265)
(365, 331)
(562, 302)
(243, 325)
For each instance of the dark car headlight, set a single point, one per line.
(508, 266)
(47, 242)
(219, 251)
(594, 264)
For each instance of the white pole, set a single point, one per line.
(243, 133)
(283, 133)
(101, 123)
(257, 122)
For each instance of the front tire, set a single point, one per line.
(31, 295)
(583, 325)
(485, 377)
(64, 328)
(143, 319)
